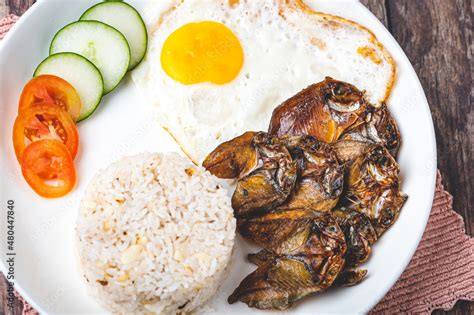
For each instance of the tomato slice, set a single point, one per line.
(44, 121)
(51, 89)
(48, 168)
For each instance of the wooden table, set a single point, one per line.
(437, 37)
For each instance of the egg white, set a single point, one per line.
(283, 53)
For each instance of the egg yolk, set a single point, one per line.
(202, 52)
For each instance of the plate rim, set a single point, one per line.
(3, 43)
(433, 166)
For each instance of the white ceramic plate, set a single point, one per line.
(46, 272)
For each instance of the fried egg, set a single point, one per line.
(215, 69)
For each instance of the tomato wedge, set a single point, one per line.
(44, 121)
(48, 168)
(51, 89)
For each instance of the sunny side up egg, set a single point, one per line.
(215, 69)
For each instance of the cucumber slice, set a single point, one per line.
(81, 74)
(125, 19)
(102, 44)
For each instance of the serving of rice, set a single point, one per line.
(154, 235)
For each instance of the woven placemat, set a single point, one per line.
(6, 23)
(442, 270)
(440, 273)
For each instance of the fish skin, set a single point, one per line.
(379, 127)
(309, 112)
(351, 276)
(348, 150)
(320, 175)
(233, 158)
(373, 188)
(359, 233)
(283, 280)
(272, 181)
(303, 255)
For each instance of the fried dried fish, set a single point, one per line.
(324, 110)
(374, 188)
(315, 192)
(320, 177)
(303, 255)
(264, 167)
(359, 233)
(379, 127)
(285, 280)
(270, 183)
(351, 276)
(233, 158)
(348, 150)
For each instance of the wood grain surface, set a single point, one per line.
(437, 37)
